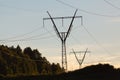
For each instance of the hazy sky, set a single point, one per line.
(21, 22)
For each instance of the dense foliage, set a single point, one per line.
(18, 62)
(28, 64)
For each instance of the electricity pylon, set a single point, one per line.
(63, 35)
(80, 61)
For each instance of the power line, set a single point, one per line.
(35, 37)
(27, 39)
(31, 38)
(99, 44)
(50, 32)
(96, 41)
(22, 35)
(78, 42)
(112, 4)
(92, 13)
(17, 8)
(85, 11)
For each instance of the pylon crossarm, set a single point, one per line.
(67, 17)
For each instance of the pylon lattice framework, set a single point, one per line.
(63, 35)
(80, 61)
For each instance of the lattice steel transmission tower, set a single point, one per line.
(63, 35)
(80, 61)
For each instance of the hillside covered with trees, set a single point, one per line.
(18, 62)
(28, 64)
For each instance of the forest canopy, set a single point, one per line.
(17, 62)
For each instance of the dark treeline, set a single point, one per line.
(93, 72)
(28, 64)
(18, 62)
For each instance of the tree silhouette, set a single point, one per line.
(15, 62)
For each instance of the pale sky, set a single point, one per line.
(21, 22)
